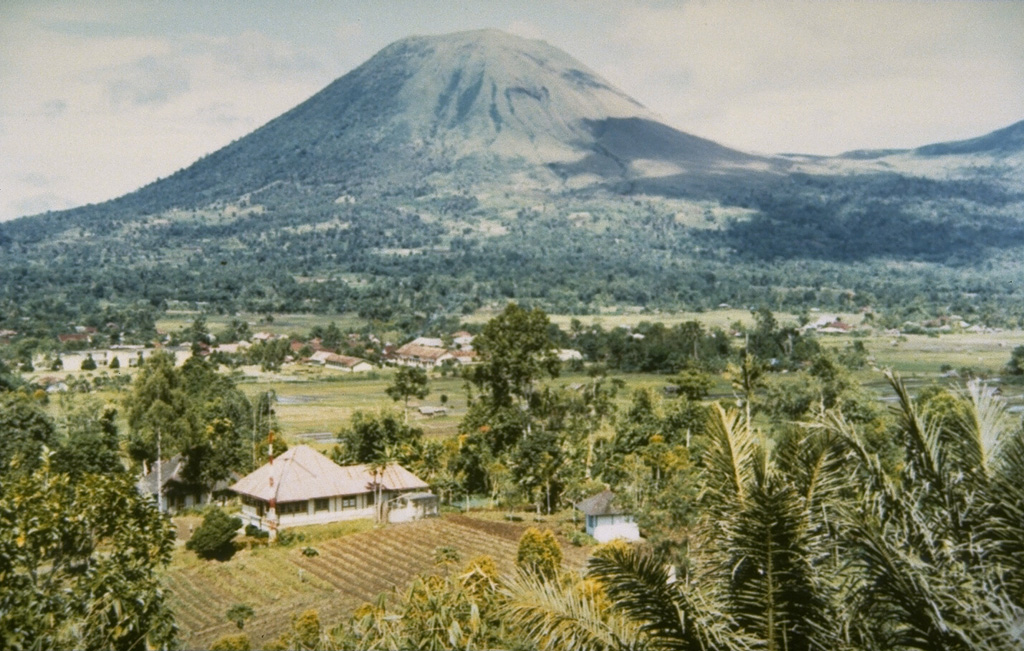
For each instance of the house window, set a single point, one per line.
(348, 502)
(322, 504)
(370, 498)
(288, 508)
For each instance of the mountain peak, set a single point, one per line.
(513, 96)
(463, 109)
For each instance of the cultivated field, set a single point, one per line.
(278, 582)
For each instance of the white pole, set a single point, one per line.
(159, 475)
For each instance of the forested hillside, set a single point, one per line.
(449, 173)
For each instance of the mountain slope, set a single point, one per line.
(451, 172)
(467, 108)
(1002, 142)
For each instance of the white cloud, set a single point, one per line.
(758, 75)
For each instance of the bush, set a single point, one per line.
(539, 552)
(239, 642)
(253, 531)
(310, 551)
(287, 537)
(214, 539)
(239, 613)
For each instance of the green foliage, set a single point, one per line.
(446, 555)
(237, 642)
(695, 385)
(369, 436)
(515, 350)
(1015, 366)
(409, 381)
(214, 539)
(539, 553)
(92, 443)
(25, 430)
(80, 561)
(239, 613)
(457, 611)
(196, 412)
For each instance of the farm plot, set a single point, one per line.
(347, 571)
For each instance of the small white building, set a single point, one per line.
(347, 364)
(569, 355)
(304, 487)
(606, 521)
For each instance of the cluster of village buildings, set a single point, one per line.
(422, 352)
(303, 487)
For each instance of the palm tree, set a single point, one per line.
(811, 543)
(932, 549)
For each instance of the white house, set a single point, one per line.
(304, 487)
(606, 521)
(432, 342)
(569, 355)
(347, 364)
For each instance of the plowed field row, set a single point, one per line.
(347, 571)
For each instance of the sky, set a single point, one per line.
(99, 98)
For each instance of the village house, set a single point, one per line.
(569, 355)
(413, 354)
(304, 487)
(606, 520)
(179, 494)
(347, 364)
(463, 340)
(340, 362)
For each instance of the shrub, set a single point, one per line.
(238, 642)
(214, 539)
(253, 531)
(310, 551)
(539, 552)
(239, 613)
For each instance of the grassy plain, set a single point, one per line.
(317, 401)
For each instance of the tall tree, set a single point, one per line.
(24, 431)
(516, 351)
(409, 382)
(80, 562)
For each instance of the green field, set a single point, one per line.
(314, 400)
(348, 570)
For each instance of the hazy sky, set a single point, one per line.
(98, 98)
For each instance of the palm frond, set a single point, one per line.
(555, 618)
(730, 456)
(925, 452)
(985, 424)
(776, 592)
(669, 615)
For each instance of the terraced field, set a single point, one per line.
(280, 582)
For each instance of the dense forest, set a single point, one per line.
(897, 244)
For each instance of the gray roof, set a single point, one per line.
(169, 470)
(302, 473)
(601, 504)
